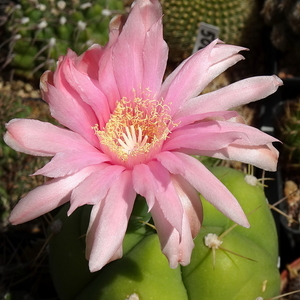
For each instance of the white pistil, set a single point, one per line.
(130, 141)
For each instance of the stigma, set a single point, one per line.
(131, 141)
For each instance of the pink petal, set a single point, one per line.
(191, 203)
(244, 143)
(87, 63)
(177, 168)
(153, 182)
(47, 197)
(150, 10)
(65, 103)
(95, 187)
(205, 183)
(72, 112)
(254, 135)
(108, 223)
(144, 183)
(233, 95)
(264, 156)
(155, 55)
(42, 139)
(202, 136)
(214, 115)
(88, 90)
(59, 80)
(168, 236)
(69, 162)
(176, 247)
(186, 242)
(106, 77)
(128, 60)
(107, 81)
(166, 195)
(196, 72)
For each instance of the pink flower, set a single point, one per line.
(128, 133)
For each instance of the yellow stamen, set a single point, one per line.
(135, 127)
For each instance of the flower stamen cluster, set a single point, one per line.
(135, 128)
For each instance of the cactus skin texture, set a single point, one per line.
(144, 271)
(235, 277)
(182, 18)
(36, 33)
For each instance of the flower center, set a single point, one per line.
(131, 142)
(136, 130)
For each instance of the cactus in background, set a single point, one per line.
(283, 17)
(289, 128)
(143, 272)
(182, 18)
(37, 32)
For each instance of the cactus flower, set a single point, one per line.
(126, 132)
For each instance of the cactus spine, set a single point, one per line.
(182, 18)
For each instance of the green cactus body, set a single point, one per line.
(95, 11)
(46, 25)
(24, 47)
(64, 32)
(232, 277)
(235, 277)
(244, 266)
(182, 18)
(254, 203)
(144, 272)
